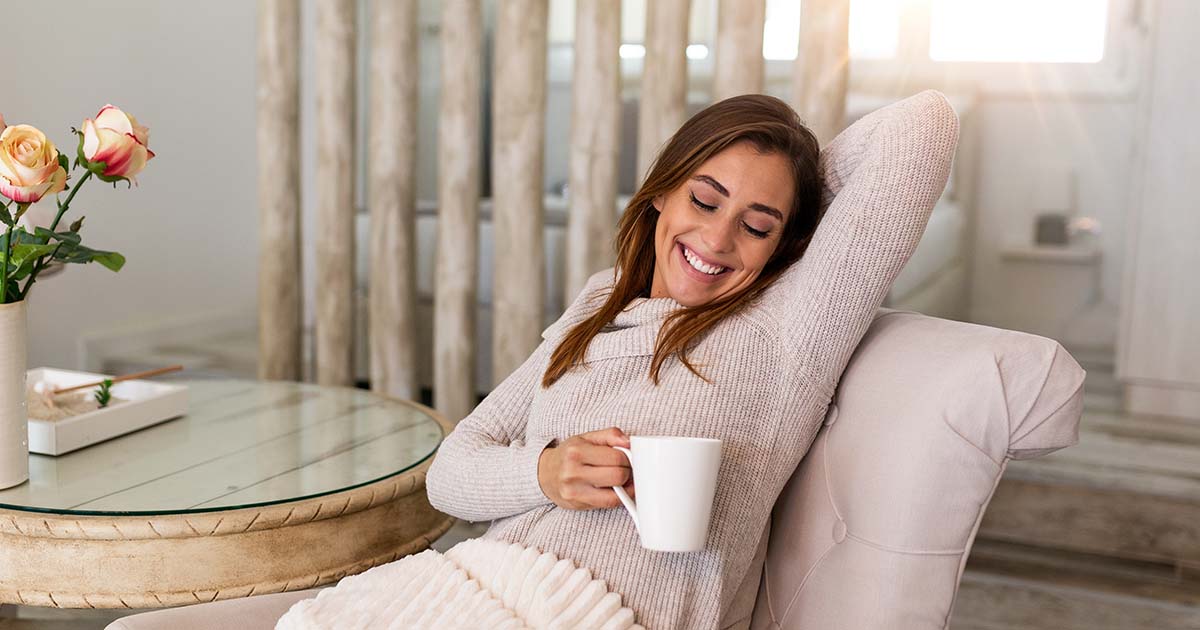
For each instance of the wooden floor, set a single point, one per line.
(1104, 535)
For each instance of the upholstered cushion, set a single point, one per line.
(873, 530)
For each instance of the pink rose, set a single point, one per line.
(30, 166)
(116, 139)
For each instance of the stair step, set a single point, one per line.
(1009, 586)
(1130, 488)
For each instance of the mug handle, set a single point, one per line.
(626, 500)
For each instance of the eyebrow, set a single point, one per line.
(725, 192)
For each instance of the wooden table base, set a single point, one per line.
(158, 561)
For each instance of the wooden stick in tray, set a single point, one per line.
(118, 379)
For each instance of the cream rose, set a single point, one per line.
(116, 139)
(30, 166)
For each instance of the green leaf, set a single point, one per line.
(28, 252)
(62, 161)
(21, 272)
(112, 179)
(77, 224)
(66, 237)
(75, 253)
(25, 237)
(6, 218)
(79, 157)
(104, 394)
(112, 260)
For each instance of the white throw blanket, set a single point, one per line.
(476, 584)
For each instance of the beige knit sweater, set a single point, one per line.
(774, 369)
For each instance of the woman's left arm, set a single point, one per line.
(884, 174)
(487, 468)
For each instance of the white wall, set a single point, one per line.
(1160, 342)
(1029, 145)
(188, 231)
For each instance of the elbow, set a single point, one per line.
(436, 486)
(441, 486)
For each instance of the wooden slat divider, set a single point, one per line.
(280, 322)
(518, 134)
(336, 43)
(392, 197)
(455, 267)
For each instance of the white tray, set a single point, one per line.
(146, 403)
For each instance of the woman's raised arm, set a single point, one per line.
(883, 174)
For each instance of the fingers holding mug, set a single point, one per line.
(580, 472)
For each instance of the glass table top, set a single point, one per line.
(242, 443)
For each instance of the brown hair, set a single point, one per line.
(771, 126)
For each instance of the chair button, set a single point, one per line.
(839, 531)
(831, 415)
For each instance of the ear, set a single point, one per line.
(657, 203)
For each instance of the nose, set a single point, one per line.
(719, 235)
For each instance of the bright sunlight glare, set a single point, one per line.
(874, 25)
(1045, 31)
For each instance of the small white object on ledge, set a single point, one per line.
(1081, 254)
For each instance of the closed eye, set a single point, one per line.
(707, 208)
(700, 204)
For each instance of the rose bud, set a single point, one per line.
(114, 146)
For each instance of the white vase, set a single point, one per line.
(14, 424)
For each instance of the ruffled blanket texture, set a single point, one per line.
(476, 584)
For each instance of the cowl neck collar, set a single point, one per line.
(642, 310)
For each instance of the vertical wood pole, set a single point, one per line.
(595, 135)
(822, 69)
(663, 105)
(280, 322)
(458, 208)
(335, 61)
(738, 62)
(392, 197)
(518, 134)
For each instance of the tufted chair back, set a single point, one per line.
(873, 530)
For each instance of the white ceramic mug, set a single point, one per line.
(676, 478)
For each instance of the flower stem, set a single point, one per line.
(4, 272)
(62, 207)
(8, 251)
(42, 260)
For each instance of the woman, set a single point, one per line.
(728, 315)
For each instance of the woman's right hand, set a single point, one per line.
(578, 474)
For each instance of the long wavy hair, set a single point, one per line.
(771, 126)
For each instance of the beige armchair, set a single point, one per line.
(874, 528)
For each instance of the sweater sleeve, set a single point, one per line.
(882, 177)
(487, 467)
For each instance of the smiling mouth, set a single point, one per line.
(699, 266)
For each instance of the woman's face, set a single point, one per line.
(717, 231)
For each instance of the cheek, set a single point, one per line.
(758, 256)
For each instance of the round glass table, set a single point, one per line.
(260, 487)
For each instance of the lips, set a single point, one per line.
(694, 273)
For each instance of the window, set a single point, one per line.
(1041, 31)
(874, 26)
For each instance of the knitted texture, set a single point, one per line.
(476, 584)
(774, 368)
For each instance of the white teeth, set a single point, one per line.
(699, 265)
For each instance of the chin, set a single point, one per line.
(692, 295)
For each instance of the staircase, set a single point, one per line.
(1104, 535)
